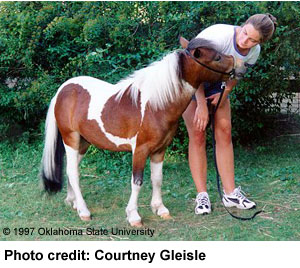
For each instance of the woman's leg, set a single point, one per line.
(224, 147)
(197, 149)
(233, 197)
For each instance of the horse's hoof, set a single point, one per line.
(85, 218)
(137, 224)
(166, 216)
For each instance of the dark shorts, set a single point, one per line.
(211, 89)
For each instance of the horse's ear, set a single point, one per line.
(183, 42)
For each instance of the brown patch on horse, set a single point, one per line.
(71, 110)
(64, 110)
(159, 127)
(126, 122)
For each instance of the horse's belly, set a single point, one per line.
(92, 133)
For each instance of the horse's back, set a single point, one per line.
(90, 92)
(89, 83)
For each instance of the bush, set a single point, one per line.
(44, 43)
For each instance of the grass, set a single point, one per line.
(269, 173)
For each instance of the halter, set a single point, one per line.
(231, 73)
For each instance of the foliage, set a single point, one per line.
(44, 43)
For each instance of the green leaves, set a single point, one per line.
(45, 43)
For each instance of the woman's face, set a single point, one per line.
(248, 37)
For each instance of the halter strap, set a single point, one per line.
(231, 73)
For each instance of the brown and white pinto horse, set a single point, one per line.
(138, 114)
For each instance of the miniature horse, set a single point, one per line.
(139, 114)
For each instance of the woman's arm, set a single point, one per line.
(201, 117)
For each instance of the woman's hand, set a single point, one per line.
(228, 88)
(201, 117)
(214, 99)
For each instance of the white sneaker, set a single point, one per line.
(203, 205)
(237, 199)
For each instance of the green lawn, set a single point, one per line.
(270, 174)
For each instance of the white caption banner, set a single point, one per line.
(170, 254)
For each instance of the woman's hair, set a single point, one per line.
(265, 24)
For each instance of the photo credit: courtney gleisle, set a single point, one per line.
(165, 255)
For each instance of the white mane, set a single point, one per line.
(158, 83)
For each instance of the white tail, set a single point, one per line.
(52, 161)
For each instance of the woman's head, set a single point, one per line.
(257, 29)
(265, 24)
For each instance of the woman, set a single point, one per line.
(243, 43)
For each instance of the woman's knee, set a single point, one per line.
(223, 132)
(197, 137)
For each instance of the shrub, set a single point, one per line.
(44, 43)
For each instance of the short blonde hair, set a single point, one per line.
(265, 24)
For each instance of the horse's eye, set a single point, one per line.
(218, 58)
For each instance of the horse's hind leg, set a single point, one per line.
(73, 159)
(71, 199)
(157, 205)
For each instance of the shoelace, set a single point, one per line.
(240, 193)
(203, 200)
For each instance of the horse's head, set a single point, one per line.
(201, 62)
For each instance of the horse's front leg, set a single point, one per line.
(157, 205)
(138, 164)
